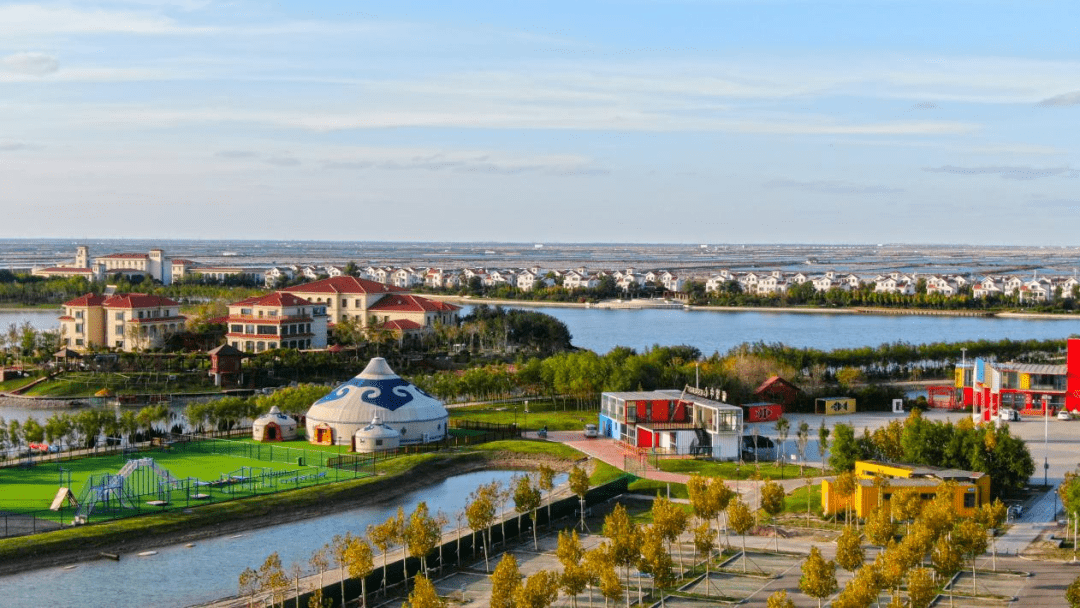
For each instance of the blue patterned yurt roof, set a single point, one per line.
(376, 391)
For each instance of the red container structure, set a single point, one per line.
(762, 412)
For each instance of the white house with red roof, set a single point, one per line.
(278, 320)
(124, 321)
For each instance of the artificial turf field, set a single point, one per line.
(31, 490)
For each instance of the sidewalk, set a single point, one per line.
(1037, 518)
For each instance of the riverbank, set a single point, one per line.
(862, 310)
(143, 533)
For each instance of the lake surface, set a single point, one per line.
(209, 570)
(711, 331)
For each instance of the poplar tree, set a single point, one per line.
(818, 576)
(921, 588)
(339, 553)
(480, 512)
(772, 502)
(740, 519)
(360, 563)
(849, 551)
(823, 443)
(969, 537)
(1072, 593)
(546, 482)
(249, 584)
(272, 577)
(845, 485)
(782, 426)
(579, 485)
(320, 562)
(424, 595)
(670, 521)
(527, 500)
(422, 533)
(880, 528)
(779, 599)
(505, 581)
(704, 543)
(383, 536)
(575, 575)
(656, 561)
(540, 590)
(624, 538)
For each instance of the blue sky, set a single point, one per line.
(696, 121)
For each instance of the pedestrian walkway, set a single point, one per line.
(1038, 516)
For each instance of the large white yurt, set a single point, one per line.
(273, 426)
(377, 391)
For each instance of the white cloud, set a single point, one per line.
(33, 64)
(1062, 101)
(27, 20)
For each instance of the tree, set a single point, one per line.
(579, 485)
(339, 552)
(272, 577)
(802, 440)
(782, 426)
(361, 563)
(249, 584)
(422, 533)
(505, 581)
(320, 562)
(1072, 593)
(539, 591)
(527, 500)
(546, 482)
(772, 502)
(424, 594)
(655, 560)
(921, 588)
(740, 519)
(624, 538)
(575, 575)
(704, 543)
(845, 486)
(946, 558)
(845, 449)
(480, 512)
(669, 520)
(818, 576)
(779, 599)
(969, 537)
(880, 528)
(823, 443)
(992, 515)
(384, 536)
(849, 551)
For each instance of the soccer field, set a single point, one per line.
(186, 474)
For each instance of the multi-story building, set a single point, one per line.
(672, 421)
(278, 320)
(371, 303)
(126, 321)
(988, 386)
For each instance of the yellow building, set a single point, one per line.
(878, 481)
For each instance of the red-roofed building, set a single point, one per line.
(778, 390)
(125, 321)
(278, 320)
(371, 303)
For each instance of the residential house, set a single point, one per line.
(277, 320)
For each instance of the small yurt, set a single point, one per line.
(273, 426)
(377, 391)
(376, 437)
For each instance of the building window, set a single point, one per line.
(78, 314)
(236, 329)
(78, 341)
(119, 330)
(119, 316)
(969, 500)
(78, 328)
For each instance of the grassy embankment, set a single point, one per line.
(541, 413)
(175, 526)
(85, 384)
(732, 470)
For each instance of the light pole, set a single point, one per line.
(1046, 447)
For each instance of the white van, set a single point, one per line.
(590, 431)
(1008, 414)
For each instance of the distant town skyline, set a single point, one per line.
(606, 121)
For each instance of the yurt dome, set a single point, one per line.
(273, 426)
(377, 391)
(376, 437)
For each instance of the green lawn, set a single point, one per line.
(32, 489)
(11, 385)
(651, 487)
(541, 413)
(733, 470)
(796, 500)
(85, 384)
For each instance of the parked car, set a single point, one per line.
(1009, 415)
(591, 432)
(1064, 415)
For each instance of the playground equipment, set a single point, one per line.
(137, 480)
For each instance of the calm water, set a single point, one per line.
(601, 330)
(209, 570)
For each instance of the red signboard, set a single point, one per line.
(763, 412)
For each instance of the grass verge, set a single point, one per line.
(733, 470)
